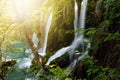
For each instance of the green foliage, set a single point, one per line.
(97, 36)
(107, 31)
(5, 67)
(111, 7)
(91, 32)
(35, 67)
(97, 72)
(59, 73)
(113, 37)
(10, 35)
(54, 73)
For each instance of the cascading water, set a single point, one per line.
(78, 40)
(58, 54)
(83, 13)
(76, 18)
(82, 25)
(43, 53)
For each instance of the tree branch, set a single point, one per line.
(38, 57)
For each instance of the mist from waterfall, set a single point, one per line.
(78, 39)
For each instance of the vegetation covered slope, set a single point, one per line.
(102, 29)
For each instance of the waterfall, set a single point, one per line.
(58, 54)
(42, 51)
(78, 39)
(46, 34)
(83, 14)
(76, 18)
(79, 25)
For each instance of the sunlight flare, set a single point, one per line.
(20, 9)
